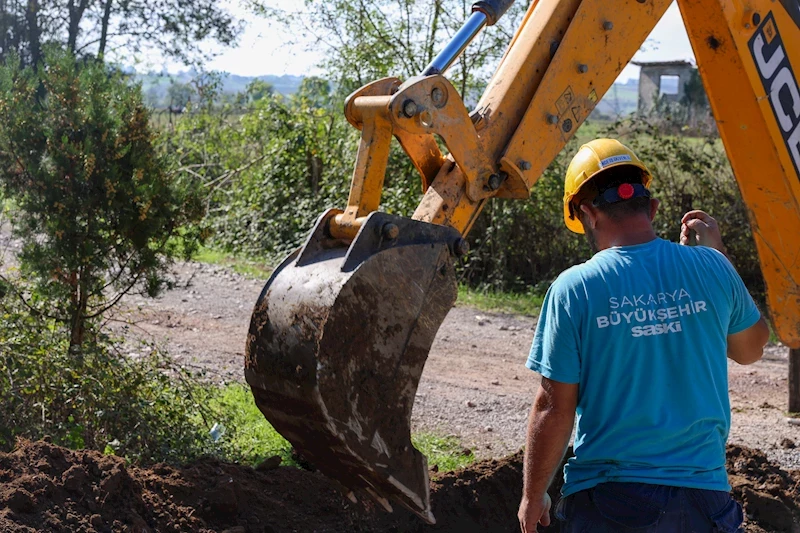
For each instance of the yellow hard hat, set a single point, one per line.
(593, 158)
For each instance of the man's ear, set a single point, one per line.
(589, 216)
(654, 203)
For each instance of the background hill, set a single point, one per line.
(155, 86)
(621, 99)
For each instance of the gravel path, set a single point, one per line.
(474, 386)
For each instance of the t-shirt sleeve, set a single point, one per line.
(555, 352)
(744, 312)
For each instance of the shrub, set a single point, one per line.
(273, 167)
(144, 408)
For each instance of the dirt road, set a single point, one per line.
(474, 386)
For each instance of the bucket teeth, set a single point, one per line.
(337, 343)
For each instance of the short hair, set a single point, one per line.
(613, 177)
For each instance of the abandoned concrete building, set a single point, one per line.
(662, 79)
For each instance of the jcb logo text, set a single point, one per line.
(779, 83)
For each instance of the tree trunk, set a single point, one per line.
(80, 301)
(77, 330)
(431, 48)
(4, 18)
(75, 16)
(104, 29)
(794, 381)
(314, 164)
(34, 32)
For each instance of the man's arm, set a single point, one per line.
(549, 429)
(747, 346)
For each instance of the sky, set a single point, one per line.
(263, 47)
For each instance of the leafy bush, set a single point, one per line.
(301, 152)
(522, 244)
(140, 408)
(273, 167)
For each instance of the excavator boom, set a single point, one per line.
(340, 334)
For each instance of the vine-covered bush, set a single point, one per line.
(144, 408)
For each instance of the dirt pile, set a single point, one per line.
(47, 488)
(770, 495)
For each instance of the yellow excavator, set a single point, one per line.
(340, 334)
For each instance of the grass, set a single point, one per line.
(505, 302)
(252, 269)
(250, 439)
(446, 453)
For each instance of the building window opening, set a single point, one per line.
(669, 85)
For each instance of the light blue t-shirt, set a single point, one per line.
(642, 329)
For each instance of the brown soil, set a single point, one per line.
(47, 488)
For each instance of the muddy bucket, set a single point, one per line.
(337, 343)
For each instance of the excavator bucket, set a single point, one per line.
(337, 343)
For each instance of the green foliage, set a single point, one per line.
(98, 213)
(272, 170)
(258, 89)
(98, 29)
(505, 302)
(179, 95)
(140, 408)
(522, 245)
(445, 453)
(366, 40)
(303, 154)
(248, 437)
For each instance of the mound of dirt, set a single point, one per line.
(770, 495)
(44, 487)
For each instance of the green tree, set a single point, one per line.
(179, 94)
(96, 28)
(98, 213)
(314, 92)
(364, 40)
(258, 89)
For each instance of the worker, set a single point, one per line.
(632, 346)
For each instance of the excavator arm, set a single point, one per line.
(340, 334)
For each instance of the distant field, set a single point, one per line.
(620, 100)
(156, 85)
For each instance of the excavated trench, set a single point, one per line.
(44, 487)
